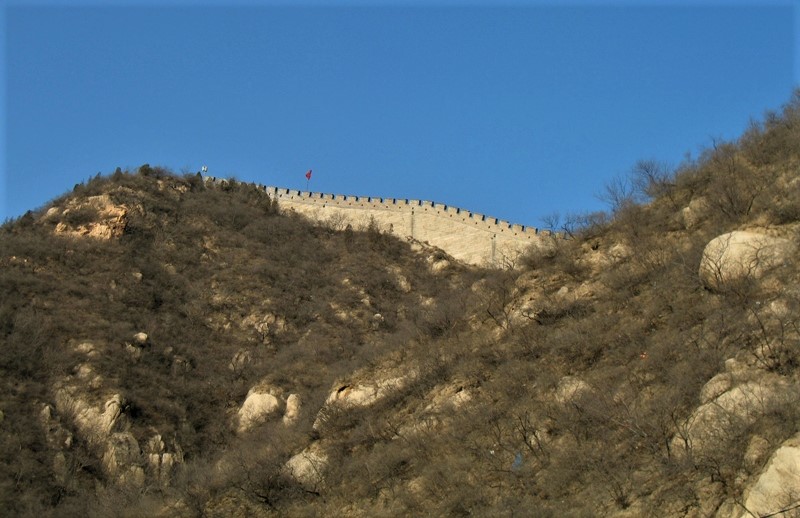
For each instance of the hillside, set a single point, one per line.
(174, 347)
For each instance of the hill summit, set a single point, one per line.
(170, 347)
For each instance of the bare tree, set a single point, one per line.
(619, 193)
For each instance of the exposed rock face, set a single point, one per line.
(259, 405)
(160, 462)
(364, 394)
(93, 423)
(109, 220)
(361, 395)
(731, 399)
(308, 467)
(121, 455)
(778, 485)
(292, 412)
(741, 254)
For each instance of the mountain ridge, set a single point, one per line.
(170, 349)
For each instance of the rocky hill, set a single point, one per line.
(170, 348)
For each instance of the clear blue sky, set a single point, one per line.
(514, 110)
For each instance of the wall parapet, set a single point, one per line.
(382, 203)
(470, 236)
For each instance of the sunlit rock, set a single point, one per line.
(308, 467)
(742, 254)
(257, 407)
(778, 485)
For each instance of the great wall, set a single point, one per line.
(467, 236)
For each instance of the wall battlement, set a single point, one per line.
(469, 236)
(377, 203)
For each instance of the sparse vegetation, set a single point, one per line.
(604, 375)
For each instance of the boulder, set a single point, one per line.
(292, 412)
(778, 485)
(731, 401)
(741, 254)
(257, 407)
(308, 467)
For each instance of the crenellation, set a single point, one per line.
(469, 236)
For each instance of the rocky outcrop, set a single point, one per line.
(366, 393)
(778, 485)
(292, 412)
(731, 400)
(121, 458)
(161, 463)
(95, 413)
(308, 467)
(346, 396)
(264, 402)
(95, 217)
(94, 422)
(259, 405)
(742, 254)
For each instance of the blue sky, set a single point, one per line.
(515, 110)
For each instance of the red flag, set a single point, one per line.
(308, 175)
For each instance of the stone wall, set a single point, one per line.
(468, 236)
